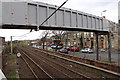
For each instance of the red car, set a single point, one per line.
(76, 49)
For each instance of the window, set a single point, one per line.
(75, 36)
(92, 34)
(78, 35)
(69, 35)
(65, 37)
(85, 34)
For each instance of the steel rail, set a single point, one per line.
(38, 65)
(81, 63)
(53, 67)
(30, 68)
(81, 75)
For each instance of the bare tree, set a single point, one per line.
(59, 36)
(44, 38)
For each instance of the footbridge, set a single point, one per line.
(29, 15)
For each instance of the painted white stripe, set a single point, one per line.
(2, 76)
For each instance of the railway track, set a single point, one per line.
(76, 60)
(60, 67)
(116, 75)
(35, 68)
(110, 67)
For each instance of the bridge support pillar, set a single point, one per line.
(97, 47)
(119, 43)
(109, 48)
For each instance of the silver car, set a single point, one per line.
(87, 50)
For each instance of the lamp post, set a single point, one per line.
(102, 12)
(11, 45)
(11, 38)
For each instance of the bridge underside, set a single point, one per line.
(51, 28)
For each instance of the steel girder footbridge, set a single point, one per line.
(31, 15)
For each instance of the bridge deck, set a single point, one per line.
(27, 15)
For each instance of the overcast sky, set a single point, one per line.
(94, 7)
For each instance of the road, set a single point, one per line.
(103, 56)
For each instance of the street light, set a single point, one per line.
(102, 12)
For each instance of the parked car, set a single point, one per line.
(53, 46)
(87, 50)
(76, 49)
(58, 47)
(48, 44)
(68, 48)
(50, 49)
(102, 50)
(63, 50)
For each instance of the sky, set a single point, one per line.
(94, 7)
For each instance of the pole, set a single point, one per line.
(101, 14)
(11, 45)
(97, 47)
(109, 48)
(119, 43)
